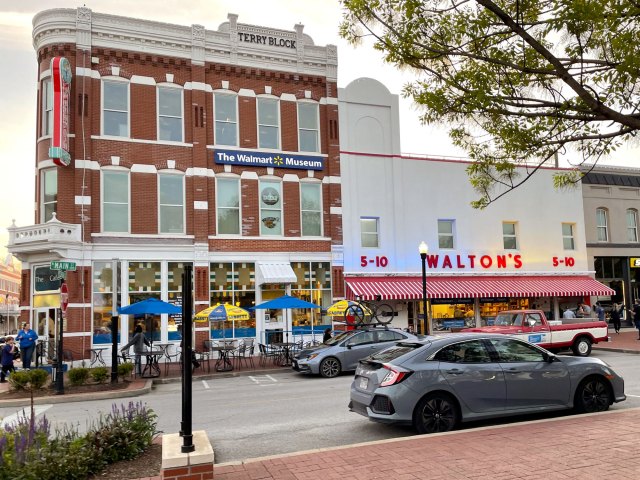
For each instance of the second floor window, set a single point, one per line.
(268, 123)
(602, 225)
(47, 108)
(170, 114)
(49, 202)
(115, 108)
(445, 233)
(228, 206)
(115, 201)
(632, 225)
(308, 127)
(509, 236)
(171, 203)
(311, 209)
(369, 237)
(568, 241)
(270, 208)
(226, 114)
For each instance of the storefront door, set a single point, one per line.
(46, 324)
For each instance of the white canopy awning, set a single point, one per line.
(274, 272)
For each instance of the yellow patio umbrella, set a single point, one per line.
(339, 308)
(221, 312)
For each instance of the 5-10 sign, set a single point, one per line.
(378, 261)
(566, 261)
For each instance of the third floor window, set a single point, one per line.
(268, 123)
(170, 114)
(47, 108)
(115, 108)
(308, 132)
(445, 234)
(602, 225)
(226, 113)
(632, 225)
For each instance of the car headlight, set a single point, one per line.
(312, 356)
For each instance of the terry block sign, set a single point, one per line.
(61, 81)
(250, 158)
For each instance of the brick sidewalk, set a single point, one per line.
(576, 447)
(625, 341)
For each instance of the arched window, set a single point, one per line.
(632, 225)
(602, 224)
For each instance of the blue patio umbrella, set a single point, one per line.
(150, 306)
(285, 302)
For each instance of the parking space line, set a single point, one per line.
(205, 384)
(263, 380)
(12, 418)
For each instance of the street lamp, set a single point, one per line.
(423, 249)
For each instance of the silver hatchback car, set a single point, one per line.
(342, 352)
(446, 379)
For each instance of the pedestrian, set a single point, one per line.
(616, 315)
(138, 341)
(636, 315)
(568, 313)
(27, 341)
(599, 311)
(584, 310)
(8, 351)
(327, 335)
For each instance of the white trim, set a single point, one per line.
(249, 175)
(83, 200)
(290, 177)
(42, 164)
(269, 238)
(245, 92)
(171, 164)
(332, 179)
(200, 205)
(141, 168)
(87, 72)
(329, 100)
(77, 334)
(199, 172)
(45, 74)
(138, 140)
(288, 97)
(225, 84)
(142, 80)
(87, 164)
(335, 210)
(198, 86)
(142, 235)
(115, 161)
(270, 150)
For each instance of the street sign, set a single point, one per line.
(55, 265)
(64, 297)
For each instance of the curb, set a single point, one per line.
(79, 397)
(618, 350)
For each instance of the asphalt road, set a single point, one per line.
(254, 416)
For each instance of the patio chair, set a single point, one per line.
(174, 357)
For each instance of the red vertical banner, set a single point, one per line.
(61, 81)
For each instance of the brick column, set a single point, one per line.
(197, 465)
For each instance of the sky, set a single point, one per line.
(320, 18)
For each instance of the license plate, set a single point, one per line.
(364, 383)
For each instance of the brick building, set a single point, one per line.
(214, 148)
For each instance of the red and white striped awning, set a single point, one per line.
(410, 288)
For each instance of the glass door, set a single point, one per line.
(47, 328)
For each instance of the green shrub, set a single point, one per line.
(38, 378)
(78, 376)
(19, 380)
(99, 374)
(125, 369)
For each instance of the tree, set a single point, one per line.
(518, 82)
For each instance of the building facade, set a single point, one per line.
(9, 295)
(611, 204)
(527, 250)
(212, 148)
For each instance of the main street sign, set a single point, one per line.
(56, 265)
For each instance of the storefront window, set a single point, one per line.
(174, 296)
(489, 308)
(103, 302)
(235, 284)
(450, 313)
(144, 283)
(313, 285)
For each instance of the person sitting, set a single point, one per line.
(568, 313)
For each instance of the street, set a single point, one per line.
(254, 416)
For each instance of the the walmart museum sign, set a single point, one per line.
(249, 158)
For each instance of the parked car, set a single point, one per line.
(342, 352)
(447, 379)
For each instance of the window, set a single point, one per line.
(171, 203)
(115, 108)
(270, 208)
(49, 196)
(115, 201)
(445, 233)
(226, 119)
(170, 114)
(369, 232)
(509, 237)
(310, 206)
(268, 123)
(465, 352)
(632, 225)
(514, 351)
(228, 206)
(602, 225)
(568, 241)
(362, 338)
(308, 127)
(47, 108)
(103, 301)
(235, 284)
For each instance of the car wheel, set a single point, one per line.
(593, 395)
(435, 413)
(330, 367)
(581, 347)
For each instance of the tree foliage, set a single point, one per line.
(518, 82)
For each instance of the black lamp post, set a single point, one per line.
(423, 249)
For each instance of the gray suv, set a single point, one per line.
(342, 352)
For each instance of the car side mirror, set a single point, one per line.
(531, 322)
(550, 358)
(349, 345)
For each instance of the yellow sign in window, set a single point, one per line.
(634, 262)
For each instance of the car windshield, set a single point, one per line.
(508, 319)
(391, 353)
(338, 338)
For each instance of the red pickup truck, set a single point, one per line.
(533, 326)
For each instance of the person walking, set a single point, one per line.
(636, 315)
(616, 316)
(599, 312)
(27, 340)
(8, 351)
(138, 342)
